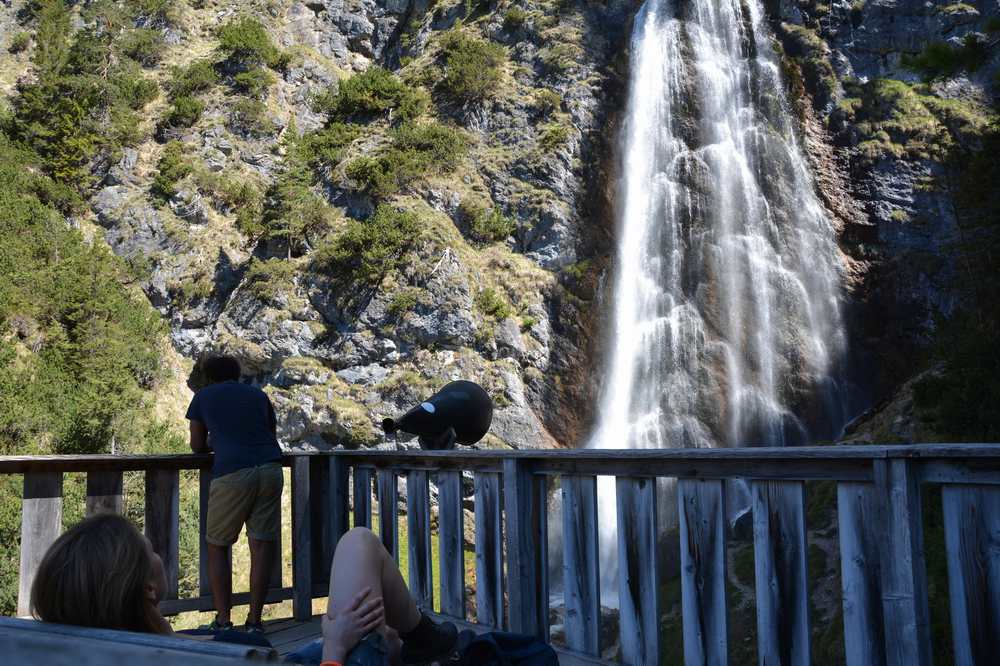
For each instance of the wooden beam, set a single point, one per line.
(363, 497)
(340, 494)
(861, 526)
(320, 506)
(450, 538)
(527, 589)
(204, 489)
(418, 509)
(388, 514)
(781, 573)
(638, 575)
(104, 492)
(972, 536)
(206, 603)
(489, 550)
(581, 580)
(41, 524)
(163, 522)
(904, 573)
(702, 508)
(301, 541)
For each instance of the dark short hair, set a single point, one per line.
(221, 368)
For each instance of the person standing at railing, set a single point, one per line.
(237, 422)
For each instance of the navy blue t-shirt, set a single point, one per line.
(240, 421)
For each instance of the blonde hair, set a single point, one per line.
(95, 575)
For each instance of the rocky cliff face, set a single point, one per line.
(337, 355)
(890, 92)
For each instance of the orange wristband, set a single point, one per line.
(330, 662)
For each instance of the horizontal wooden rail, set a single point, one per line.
(878, 503)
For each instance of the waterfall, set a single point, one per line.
(726, 328)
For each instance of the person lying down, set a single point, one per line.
(103, 573)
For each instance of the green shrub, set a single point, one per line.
(416, 149)
(553, 136)
(372, 92)
(172, 166)
(369, 249)
(404, 301)
(941, 60)
(254, 82)
(132, 89)
(245, 41)
(159, 12)
(266, 279)
(492, 304)
(325, 147)
(473, 67)
(486, 224)
(185, 112)
(559, 57)
(198, 77)
(19, 42)
(249, 117)
(144, 45)
(514, 18)
(547, 101)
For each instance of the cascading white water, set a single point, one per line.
(726, 325)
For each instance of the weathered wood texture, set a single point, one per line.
(581, 580)
(780, 560)
(972, 537)
(418, 508)
(340, 501)
(702, 508)
(638, 575)
(163, 522)
(388, 520)
(362, 497)
(489, 550)
(104, 492)
(57, 642)
(41, 523)
(319, 513)
(904, 573)
(450, 533)
(524, 506)
(302, 538)
(862, 528)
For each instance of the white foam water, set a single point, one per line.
(726, 329)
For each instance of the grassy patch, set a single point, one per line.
(942, 60)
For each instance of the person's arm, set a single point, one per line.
(343, 631)
(199, 436)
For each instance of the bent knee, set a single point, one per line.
(359, 537)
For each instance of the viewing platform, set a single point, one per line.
(884, 590)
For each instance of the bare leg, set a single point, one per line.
(261, 560)
(361, 561)
(220, 575)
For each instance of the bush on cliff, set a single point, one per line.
(373, 92)
(368, 249)
(473, 67)
(244, 42)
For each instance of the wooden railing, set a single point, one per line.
(884, 588)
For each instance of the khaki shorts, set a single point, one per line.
(252, 496)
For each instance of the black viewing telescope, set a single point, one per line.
(461, 413)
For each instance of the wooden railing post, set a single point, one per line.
(781, 572)
(388, 520)
(527, 588)
(104, 492)
(418, 509)
(301, 541)
(972, 537)
(580, 566)
(904, 573)
(320, 507)
(861, 528)
(163, 522)
(41, 523)
(702, 506)
(638, 575)
(340, 494)
(362, 497)
(450, 533)
(489, 550)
